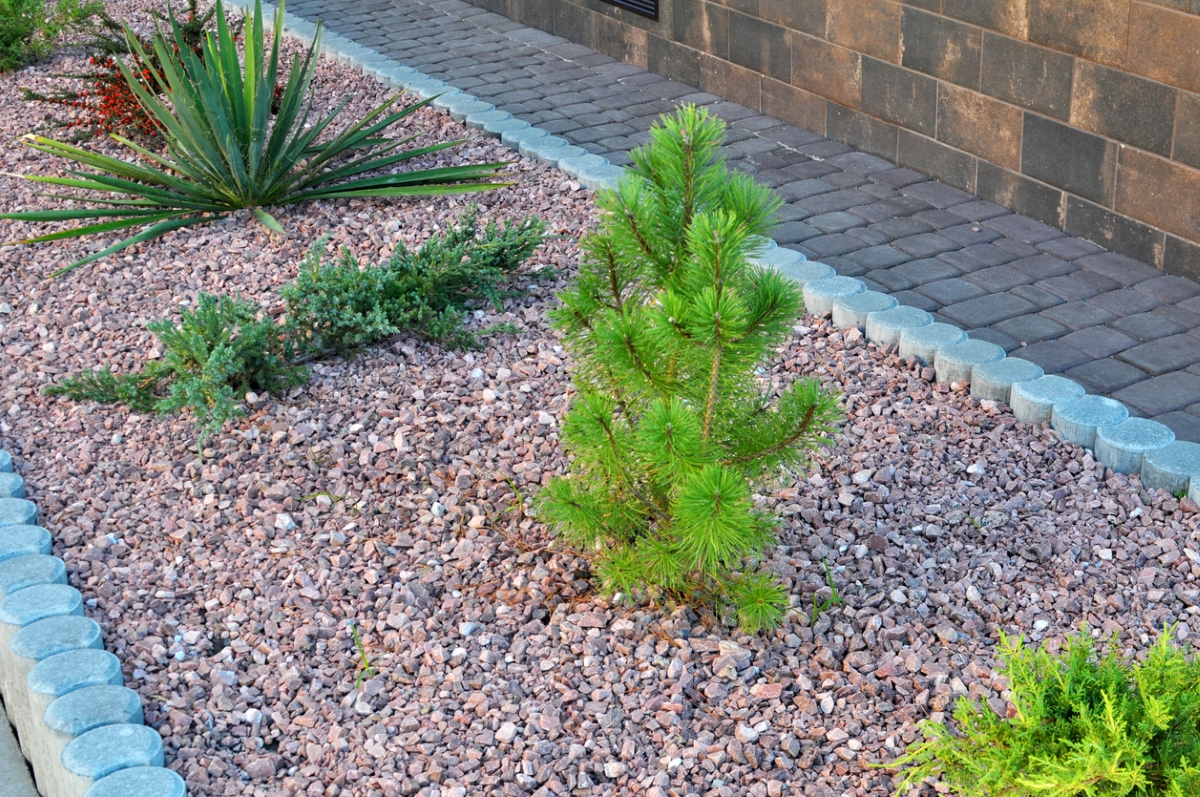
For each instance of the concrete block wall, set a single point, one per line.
(1084, 114)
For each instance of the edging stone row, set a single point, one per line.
(1125, 444)
(79, 727)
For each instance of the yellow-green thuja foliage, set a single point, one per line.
(670, 325)
(1081, 725)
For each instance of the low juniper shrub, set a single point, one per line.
(1079, 725)
(226, 347)
(673, 427)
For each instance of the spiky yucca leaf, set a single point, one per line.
(222, 155)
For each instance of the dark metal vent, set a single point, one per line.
(647, 8)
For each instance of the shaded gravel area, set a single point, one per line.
(385, 492)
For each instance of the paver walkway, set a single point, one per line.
(1117, 326)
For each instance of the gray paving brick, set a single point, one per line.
(803, 189)
(941, 219)
(927, 270)
(974, 258)
(951, 291)
(979, 210)
(824, 149)
(791, 232)
(989, 335)
(998, 279)
(879, 257)
(850, 180)
(1147, 326)
(899, 178)
(926, 244)
(1169, 289)
(869, 237)
(988, 310)
(838, 221)
(918, 300)
(845, 267)
(837, 244)
(1162, 394)
(891, 281)
(1018, 248)
(1125, 302)
(861, 163)
(874, 213)
(1106, 376)
(1044, 266)
(901, 228)
(1124, 270)
(1078, 315)
(1099, 341)
(1043, 299)
(793, 137)
(836, 200)
(1161, 356)
(969, 234)
(937, 194)
(1185, 318)
(1033, 328)
(1185, 425)
(1053, 356)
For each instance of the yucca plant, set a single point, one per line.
(223, 151)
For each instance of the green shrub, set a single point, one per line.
(222, 154)
(669, 324)
(226, 347)
(28, 28)
(1081, 725)
(340, 304)
(218, 351)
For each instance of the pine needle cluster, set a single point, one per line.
(669, 324)
(1081, 726)
(226, 346)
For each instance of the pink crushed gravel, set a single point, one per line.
(382, 493)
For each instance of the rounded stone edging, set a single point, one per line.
(954, 358)
(63, 692)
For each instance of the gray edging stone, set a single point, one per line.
(38, 602)
(954, 363)
(515, 138)
(1122, 446)
(17, 512)
(1172, 468)
(852, 311)
(1078, 419)
(995, 380)
(29, 570)
(11, 486)
(820, 294)
(139, 782)
(105, 750)
(922, 343)
(804, 273)
(498, 129)
(1033, 402)
(476, 121)
(573, 166)
(22, 541)
(885, 326)
(93, 707)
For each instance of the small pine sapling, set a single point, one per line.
(670, 323)
(1080, 725)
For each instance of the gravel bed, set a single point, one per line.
(383, 493)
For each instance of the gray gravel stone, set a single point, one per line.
(995, 380)
(139, 782)
(1171, 468)
(17, 512)
(1078, 419)
(852, 311)
(23, 540)
(1122, 446)
(63, 673)
(39, 602)
(922, 343)
(26, 571)
(1033, 402)
(954, 363)
(92, 707)
(884, 326)
(819, 295)
(105, 750)
(44, 638)
(11, 486)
